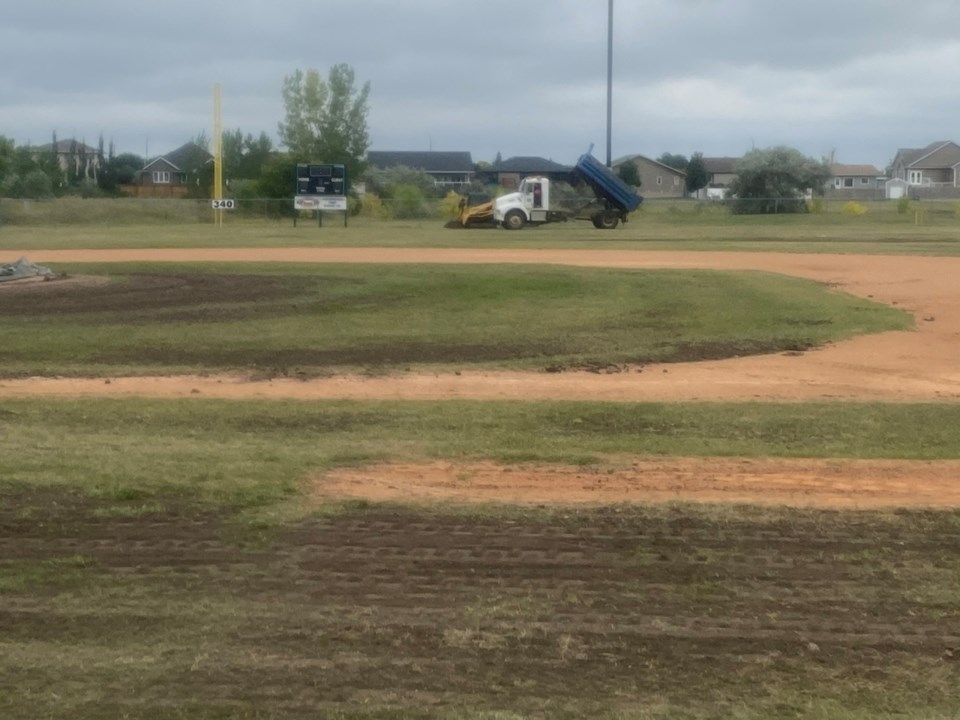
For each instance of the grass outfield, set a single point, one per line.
(246, 455)
(654, 231)
(162, 559)
(286, 320)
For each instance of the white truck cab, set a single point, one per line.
(530, 204)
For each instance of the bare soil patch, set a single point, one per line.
(840, 484)
(565, 615)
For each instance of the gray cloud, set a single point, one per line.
(861, 77)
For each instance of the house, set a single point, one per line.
(855, 182)
(930, 171)
(721, 171)
(177, 174)
(656, 179)
(73, 156)
(448, 169)
(508, 173)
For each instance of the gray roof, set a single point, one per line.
(528, 164)
(718, 165)
(428, 161)
(65, 146)
(928, 157)
(187, 156)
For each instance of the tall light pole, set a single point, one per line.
(609, 80)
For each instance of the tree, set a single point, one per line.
(326, 120)
(244, 156)
(629, 173)
(7, 156)
(677, 162)
(119, 170)
(774, 181)
(697, 176)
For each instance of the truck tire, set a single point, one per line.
(514, 220)
(607, 220)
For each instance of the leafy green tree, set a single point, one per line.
(326, 120)
(774, 180)
(37, 185)
(279, 178)
(118, 170)
(7, 156)
(629, 173)
(697, 177)
(677, 162)
(244, 156)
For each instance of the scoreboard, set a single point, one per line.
(321, 180)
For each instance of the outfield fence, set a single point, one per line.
(91, 211)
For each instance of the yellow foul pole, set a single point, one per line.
(217, 153)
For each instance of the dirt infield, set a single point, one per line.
(922, 365)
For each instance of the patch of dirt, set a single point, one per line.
(842, 484)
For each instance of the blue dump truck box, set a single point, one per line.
(606, 184)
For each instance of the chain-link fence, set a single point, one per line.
(371, 209)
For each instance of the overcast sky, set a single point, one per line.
(860, 78)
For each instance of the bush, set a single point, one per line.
(12, 186)
(37, 185)
(449, 207)
(371, 206)
(408, 202)
(903, 205)
(817, 205)
(854, 208)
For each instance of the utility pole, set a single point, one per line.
(609, 80)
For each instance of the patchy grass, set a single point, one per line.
(125, 454)
(289, 320)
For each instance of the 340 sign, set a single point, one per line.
(225, 204)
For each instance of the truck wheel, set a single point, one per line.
(514, 220)
(607, 220)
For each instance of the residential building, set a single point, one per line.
(508, 173)
(855, 182)
(721, 171)
(73, 156)
(177, 174)
(656, 179)
(930, 171)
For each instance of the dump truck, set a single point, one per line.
(532, 204)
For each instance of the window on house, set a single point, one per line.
(676, 181)
(838, 182)
(916, 176)
(659, 179)
(848, 182)
(864, 181)
(161, 176)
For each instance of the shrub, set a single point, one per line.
(854, 208)
(817, 205)
(449, 207)
(408, 202)
(371, 206)
(903, 205)
(37, 185)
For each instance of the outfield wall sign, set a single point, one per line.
(224, 204)
(319, 202)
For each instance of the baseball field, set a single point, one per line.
(392, 471)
